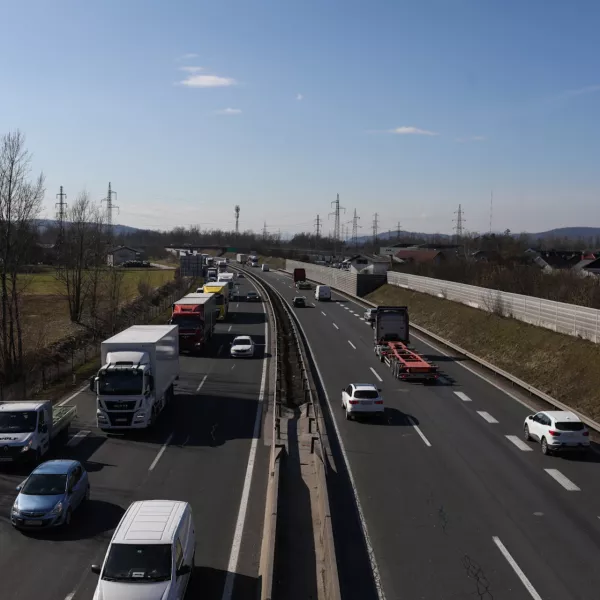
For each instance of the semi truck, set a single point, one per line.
(195, 315)
(221, 292)
(391, 339)
(222, 266)
(299, 275)
(228, 279)
(253, 261)
(241, 259)
(136, 380)
(28, 429)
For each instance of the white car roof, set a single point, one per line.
(364, 386)
(562, 415)
(242, 338)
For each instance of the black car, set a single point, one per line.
(240, 275)
(252, 297)
(300, 302)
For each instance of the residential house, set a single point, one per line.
(365, 263)
(420, 256)
(592, 267)
(119, 255)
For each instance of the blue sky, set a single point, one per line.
(403, 108)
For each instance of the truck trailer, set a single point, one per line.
(139, 368)
(28, 429)
(241, 259)
(195, 315)
(299, 275)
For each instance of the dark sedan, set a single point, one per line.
(252, 297)
(300, 302)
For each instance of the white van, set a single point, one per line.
(322, 292)
(151, 553)
(265, 267)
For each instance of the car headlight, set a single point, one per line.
(15, 509)
(27, 446)
(140, 415)
(57, 509)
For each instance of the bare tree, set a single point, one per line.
(80, 255)
(20, 203)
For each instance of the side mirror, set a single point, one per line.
(184, 570)
(19, 487)
(93, 384)
(96, 569)
(151, 382)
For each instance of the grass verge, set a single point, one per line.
(562, 366)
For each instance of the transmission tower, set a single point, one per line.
(264, 231)
(375, 227)
(355, 228)
(61, 210)
(109, 205)
(318, 226)
(237, 219)
(398, 230)
(336, 213)
(460, 220)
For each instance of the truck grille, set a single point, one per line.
(114, 405)
(118, 419)
(10, 451)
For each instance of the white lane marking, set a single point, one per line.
(241, 518)
(77, 438)
(70, 596)
(352, 344)
(335, 325)
(237, 305)
(486, 416)
(230, 328)
(201, 383)
(418, 430)
(160, 452)
(312, 304)
(463, 396)
(323, 314)
(564, 481)
(85, 387)
(345, 307)
(357, 315)
(513, 563)
(375, 373)
(519, 443)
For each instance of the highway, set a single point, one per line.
(454, 504)
(200, 452)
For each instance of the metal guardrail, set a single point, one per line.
(496, 370)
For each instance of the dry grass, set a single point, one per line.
(563, 366)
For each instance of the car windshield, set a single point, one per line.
(126, 382)
(139, 563)
(242, 341)
(18, 422)
(186, 321)
(45, 484)
(366, 394)
(251, 293)
(570, 426)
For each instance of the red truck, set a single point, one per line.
(196, 315)
(299, 275)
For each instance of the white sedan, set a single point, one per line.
(243, 345)
(557, 430)
(362, 399)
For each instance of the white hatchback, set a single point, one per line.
(241, 346)
(557, 430)
(362, 399)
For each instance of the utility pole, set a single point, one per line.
(355, 227)
(110, 206)
(460, 220)
(237, 220)
(61, 212)
(375, 228)
(491, 209)
(318, 225)
(336, 213)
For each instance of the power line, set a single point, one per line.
(355, 227)
(336, 212)
(375, 227)
(460, 220)
(318, 225)
(109, 205)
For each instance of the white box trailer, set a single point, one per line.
(241, 259)
(136, 379)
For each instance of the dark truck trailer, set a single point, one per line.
(299, 275)
(196, 315)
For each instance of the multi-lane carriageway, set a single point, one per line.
(453, 503)
(200, 452)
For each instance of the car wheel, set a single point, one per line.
(68, 517)
(545, 449)
(526, 433)
(348, 416)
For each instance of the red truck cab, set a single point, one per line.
(299, 275)
(195, 314)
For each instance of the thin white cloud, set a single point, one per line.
(191, 69)
(588, 89)
(299, 97)
(411, 131)
(187, 56)
(471, 138)
(207, 81)
(229, 111)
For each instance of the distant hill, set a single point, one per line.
(569, 232)
(391, 235)
(118, 229)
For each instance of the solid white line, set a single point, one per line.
(323, 314)
(375, 373)
(486, 416)
(160, 452)
(335, 325)
(201, 383)
(85, 387)
(230, 328)
(564, 481)
(70, 596)
(513, 563)
(241, 518)
(352, 344)
(418, 430)
(519, 443)
(77, 438)
(463, 396)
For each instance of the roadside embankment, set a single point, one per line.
(562, 366)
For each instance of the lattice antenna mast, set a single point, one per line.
(237, 219)
(398, 230)
(61, 214)
(375, 227)
(355, 228)
(460, 221)
(264, 231)
(336, 213)
(318, 226)
(110, 206)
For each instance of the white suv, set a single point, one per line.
(557, 430)
(362, 399)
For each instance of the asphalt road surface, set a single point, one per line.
(199, 453)
(455, 505)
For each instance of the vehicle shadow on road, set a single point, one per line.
(207, 582)
(392, 416)
(593, 456)
(246, 318)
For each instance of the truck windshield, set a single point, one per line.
(187, 321)
(124, 383)
(18, 422)
(139, 563)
